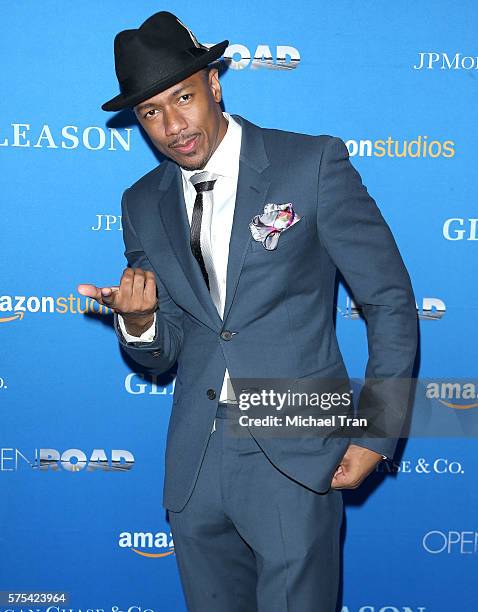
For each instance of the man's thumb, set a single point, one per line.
(107, 295)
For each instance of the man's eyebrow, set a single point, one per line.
(142, 107)
(175, 92)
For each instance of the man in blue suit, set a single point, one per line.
(233, 245)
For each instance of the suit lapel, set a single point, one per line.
(172, 209)
(252, 186)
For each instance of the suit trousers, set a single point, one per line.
(251, 539)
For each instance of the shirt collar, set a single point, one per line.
(225, 159)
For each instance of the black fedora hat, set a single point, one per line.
(161, 52)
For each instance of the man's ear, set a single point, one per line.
(214, 84)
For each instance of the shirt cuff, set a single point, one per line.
(146, 336)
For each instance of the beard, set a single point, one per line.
(197, 165)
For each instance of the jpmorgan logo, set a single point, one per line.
(68, 137)
(457, 395)
(430, 309)
(438, 542)
(429, 60)
(422, 465)
(148, 544)
(278, 57)
(105, 222)
(71, 460)
(458, 228)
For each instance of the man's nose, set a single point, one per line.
(173, 122)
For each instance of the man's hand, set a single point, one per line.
(356, 465)
(135, 298)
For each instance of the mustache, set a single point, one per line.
(181, 142)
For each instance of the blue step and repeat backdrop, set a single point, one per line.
(82, 430)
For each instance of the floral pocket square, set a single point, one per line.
(276, 218)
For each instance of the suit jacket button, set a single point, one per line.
(156, 353)
(211, 394)
(226, 334)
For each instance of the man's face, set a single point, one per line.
(185, 122)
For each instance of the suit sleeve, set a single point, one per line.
(161, 353)
(360, 243)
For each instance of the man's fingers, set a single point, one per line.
(126, 283)
(138, 286)
(135, 294)
(349, 475)
(150, 287)
(344, 483)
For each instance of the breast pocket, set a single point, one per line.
(289, 238)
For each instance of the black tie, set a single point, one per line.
(195, 239)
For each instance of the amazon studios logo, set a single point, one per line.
(14, 307)
(419, 146)
(71, 460)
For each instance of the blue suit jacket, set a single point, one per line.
(279, 303)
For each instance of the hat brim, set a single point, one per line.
(121, 101)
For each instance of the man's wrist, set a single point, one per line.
(137, 325)
(147, 336)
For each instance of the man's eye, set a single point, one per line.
(186, 97)
(150, 114)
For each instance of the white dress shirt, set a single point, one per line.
(225, 163)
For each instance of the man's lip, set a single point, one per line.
(187, 146)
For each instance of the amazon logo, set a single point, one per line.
(456, 395)
(147, 544)
(12, 317)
